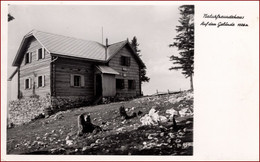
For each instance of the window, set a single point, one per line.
(120, 84)
(40, 82)
(131, 84)
(40, 53)
(77, 80)
(28, 57)
(27, 83)
(125, 61)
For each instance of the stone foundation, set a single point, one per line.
(26, 109)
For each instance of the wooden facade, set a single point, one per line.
(64, 69)
(32, 70)
(131, 72)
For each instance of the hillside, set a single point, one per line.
(57, 134)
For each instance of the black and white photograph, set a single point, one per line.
(117, 81)
(100, 80)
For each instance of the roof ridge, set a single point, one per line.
(118, 42)
(65, 36)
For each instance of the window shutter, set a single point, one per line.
(71, 80)
(25, 59)
(123, 84)
(43, 53)
(37, 83)
(122, 60)
(43, 80)
(30, 82)
(37, 54)
(24, 84)
(129, 61)
(82, 80)
(30, 55)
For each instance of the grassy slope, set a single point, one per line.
(48, 136)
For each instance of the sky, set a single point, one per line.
(153, 25)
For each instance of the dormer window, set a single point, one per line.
(40, 53)
(28, 58)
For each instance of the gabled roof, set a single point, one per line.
(73, 47)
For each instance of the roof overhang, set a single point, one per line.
(21, 48)
(106, 70)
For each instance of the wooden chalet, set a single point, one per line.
(56, 65)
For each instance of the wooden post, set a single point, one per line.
(157, 92)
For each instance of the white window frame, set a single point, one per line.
(82, 80)
(43, 81)
(30, 83)
(42, 53)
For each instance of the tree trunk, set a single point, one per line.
(191, 83)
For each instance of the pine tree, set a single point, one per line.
(135, 45)
(184, 42)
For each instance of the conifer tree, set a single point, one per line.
(184, 42)
(135, 45)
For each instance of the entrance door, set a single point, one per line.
(98, 85)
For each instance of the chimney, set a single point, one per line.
(106, 42)
(106, 49)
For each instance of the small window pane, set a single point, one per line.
(77, 80)
(40, 53)
(125, 61)
(40, 81)
(27, 82)
(27, 58)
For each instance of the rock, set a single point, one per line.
(150, 137)
(181, 133)
(92, 144)
(188, 122)
(187, 145)
(68, 138)
(69, 142)
(162, 134)
(84, 148)
(179, 145)
(57, 150)
(169, 140)
(76, 150)
(178, 141)
(98, 141)
(123, 148)
(171, 135)
(38, 138)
